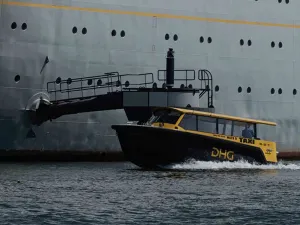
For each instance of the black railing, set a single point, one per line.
(189, 75)
(206, 85)
(113, 81)
(109, 80)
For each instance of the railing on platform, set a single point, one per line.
(113, 81)
(206, 85)
(189, 75)
(109, 80)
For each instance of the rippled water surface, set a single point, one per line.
(120, 193)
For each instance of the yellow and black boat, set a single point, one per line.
(174, 135)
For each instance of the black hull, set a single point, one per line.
(152, 147)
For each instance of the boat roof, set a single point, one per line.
(222, 116)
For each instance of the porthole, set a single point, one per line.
(240, 89)
(24, 26)
(209, 40)
(58, 80)
(182, 86)
(122, 33)
(201, 39)
(84, 30)
(167, 37)
(190, 86)
(14, 25)
(217, 88)
(90, 82)
(99, 82)
(113, 33)
(241, 42)
(272, 91)
(17, 78)
(280, 91)
(279, 1)
(175, 37)
(69, 81)
(280, 45)
(248, 89)
(74, 30)
(154, 85)
(287, 1)
(294, 92)
(127, 83)
(272, 44)
(249, 42)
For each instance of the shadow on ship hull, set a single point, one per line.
(153, 148)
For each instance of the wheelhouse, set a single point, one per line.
(205, 122)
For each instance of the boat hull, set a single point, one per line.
(153, 147)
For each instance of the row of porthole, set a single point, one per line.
(209, 40)
(14, 26)
(240, 89)
(280, 45)
(175, 37)
(280, 1)
(74, 30)
(114, 33)
(286, 1)
(217, 88)
(127, 83)
(167, 36)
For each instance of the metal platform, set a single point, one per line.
(137, 94)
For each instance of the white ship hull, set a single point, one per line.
(231, 38)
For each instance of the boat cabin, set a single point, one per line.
(193, 120)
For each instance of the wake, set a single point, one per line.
(202, 165)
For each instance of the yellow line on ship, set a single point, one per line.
(148, 14)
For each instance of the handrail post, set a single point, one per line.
(120, 78)
(186, 79)
(68, 91)
(94, 86)
(81, 87)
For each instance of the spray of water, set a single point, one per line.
(201, 165)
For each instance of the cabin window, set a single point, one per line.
(243, 129)
(207, 124)
(225, 127)
(189, 122)
(165, 116)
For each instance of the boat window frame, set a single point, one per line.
(165, 112)
(182, 118)
(196, 121)
(229, 122)
(232, 123)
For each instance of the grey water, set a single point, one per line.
(121, 193)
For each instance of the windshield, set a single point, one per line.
(165, 116)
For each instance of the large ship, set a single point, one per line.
(250, 47)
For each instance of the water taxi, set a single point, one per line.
(174, 135)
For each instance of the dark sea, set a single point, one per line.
(121, 193)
